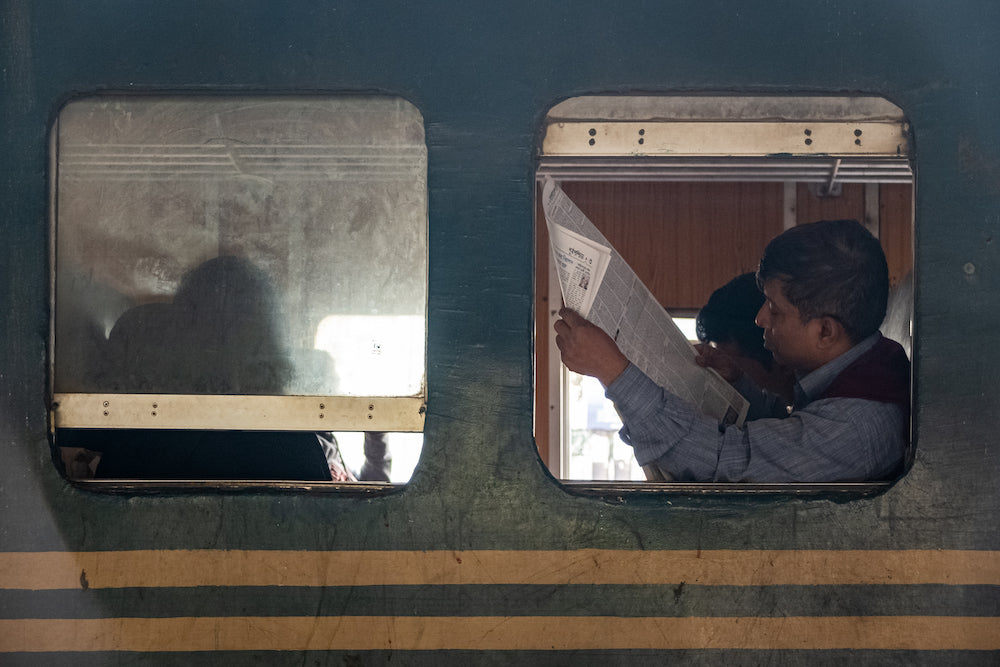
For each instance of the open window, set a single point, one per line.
(690, 189)
(234, 277)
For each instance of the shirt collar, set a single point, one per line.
(815, 383)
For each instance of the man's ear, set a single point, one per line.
(831, 332)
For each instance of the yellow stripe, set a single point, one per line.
(179, 568)
(927, 633)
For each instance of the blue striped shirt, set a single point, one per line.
(825, 440)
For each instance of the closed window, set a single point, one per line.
(232, 268)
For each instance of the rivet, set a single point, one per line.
(969, 268)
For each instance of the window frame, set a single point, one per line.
(822, 141)
(317, 412)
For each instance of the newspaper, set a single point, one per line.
(597, 283)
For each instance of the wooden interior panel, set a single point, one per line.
(895, 222)
(896, 228)
(684, 240)
(849, 205)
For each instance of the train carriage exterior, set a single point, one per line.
(484, 556)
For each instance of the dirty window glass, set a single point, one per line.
(240, 246)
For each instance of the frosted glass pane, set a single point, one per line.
(201, 242)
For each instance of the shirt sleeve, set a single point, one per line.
(664, 429)
(761, 403)
(835, 439)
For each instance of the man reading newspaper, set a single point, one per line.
(826, 287)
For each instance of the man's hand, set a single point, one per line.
(587, 350)
(723, 363)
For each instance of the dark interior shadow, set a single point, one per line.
(222, 334)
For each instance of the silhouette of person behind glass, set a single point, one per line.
(223, 334)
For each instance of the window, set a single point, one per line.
(665, 178)
(248, 266)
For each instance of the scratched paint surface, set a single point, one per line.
(479, 484)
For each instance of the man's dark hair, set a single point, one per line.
(831, 268)
(728, 317)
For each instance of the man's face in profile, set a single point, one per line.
(790, 340)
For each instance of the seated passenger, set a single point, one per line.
(223, 334)
(826, 286)
(230, 323)
(733, 344)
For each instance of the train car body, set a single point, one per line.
(483, 556)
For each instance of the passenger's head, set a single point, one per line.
(232, 327)
(728, 319)
(223, 334)
(230, 291)
(831, 268)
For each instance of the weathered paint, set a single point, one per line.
(483, 76)
(57, 570)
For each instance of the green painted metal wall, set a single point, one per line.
(483, 75)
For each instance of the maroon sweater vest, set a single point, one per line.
(881, 374)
